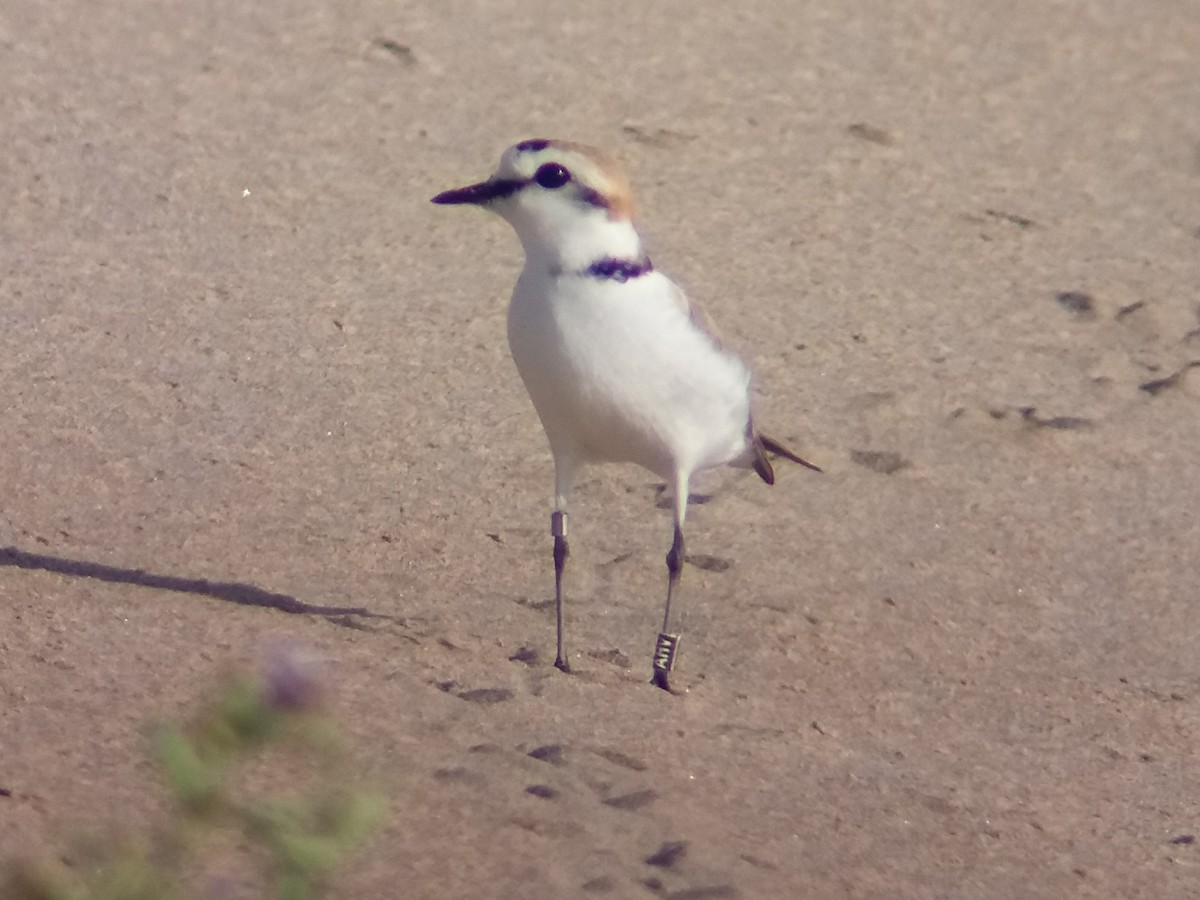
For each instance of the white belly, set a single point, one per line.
(618, 372)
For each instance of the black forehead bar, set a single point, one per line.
(536, 145)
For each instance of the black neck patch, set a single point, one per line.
(618, 269)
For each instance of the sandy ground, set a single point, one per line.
(246, 366)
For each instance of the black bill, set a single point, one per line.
(480, 194)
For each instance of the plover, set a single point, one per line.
(620, 366)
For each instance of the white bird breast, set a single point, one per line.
(618, 372)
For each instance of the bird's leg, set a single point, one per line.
(667, 644)
(564, 478)
(558, 528)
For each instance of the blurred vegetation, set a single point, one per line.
(264, 803)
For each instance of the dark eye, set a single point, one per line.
(552, 176)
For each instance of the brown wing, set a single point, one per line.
(760, 444)
(698, 316)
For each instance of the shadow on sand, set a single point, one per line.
(229, 591)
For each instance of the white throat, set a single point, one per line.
(570, 240)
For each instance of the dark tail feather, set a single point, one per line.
(762, 465)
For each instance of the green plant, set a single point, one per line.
(262, 793)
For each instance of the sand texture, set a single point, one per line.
(248, 373)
